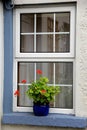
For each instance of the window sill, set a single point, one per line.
(57, 120)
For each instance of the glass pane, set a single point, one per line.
(62, 22)
(64, 79)
(65, 98)
(64, 73)
(23, 99)
(47, 70)
(27, 43)
(25, 71)
(27, 23)
(62, 43)
(45, 22)
(44, 43)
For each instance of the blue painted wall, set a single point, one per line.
(8, 60)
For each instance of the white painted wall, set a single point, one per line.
(1, 59)
(81, 58)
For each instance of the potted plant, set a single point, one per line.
(42, 94)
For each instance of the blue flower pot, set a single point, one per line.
(40, 109)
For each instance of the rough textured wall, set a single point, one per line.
(81, 58)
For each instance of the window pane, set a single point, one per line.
(25, 71)
(47, 71)
(23, 100)
(44, 43)
(27, 43)
(64, 73)
(65, 98)
(64, 77)
(62, 22)
(27, 23)
(62, 43)
(45, 22)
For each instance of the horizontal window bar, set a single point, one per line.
(40, 33)
(64, 85)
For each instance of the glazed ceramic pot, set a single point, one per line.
(40, 109)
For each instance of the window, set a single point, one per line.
(45, 40)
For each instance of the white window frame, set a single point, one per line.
(39, 57)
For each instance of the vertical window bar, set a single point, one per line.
(35, 71)
(27, 65)
(19, 36)
(34, 32)
(54, 35)
(54, 79)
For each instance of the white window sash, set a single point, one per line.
(17, 13)
(29, 109)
